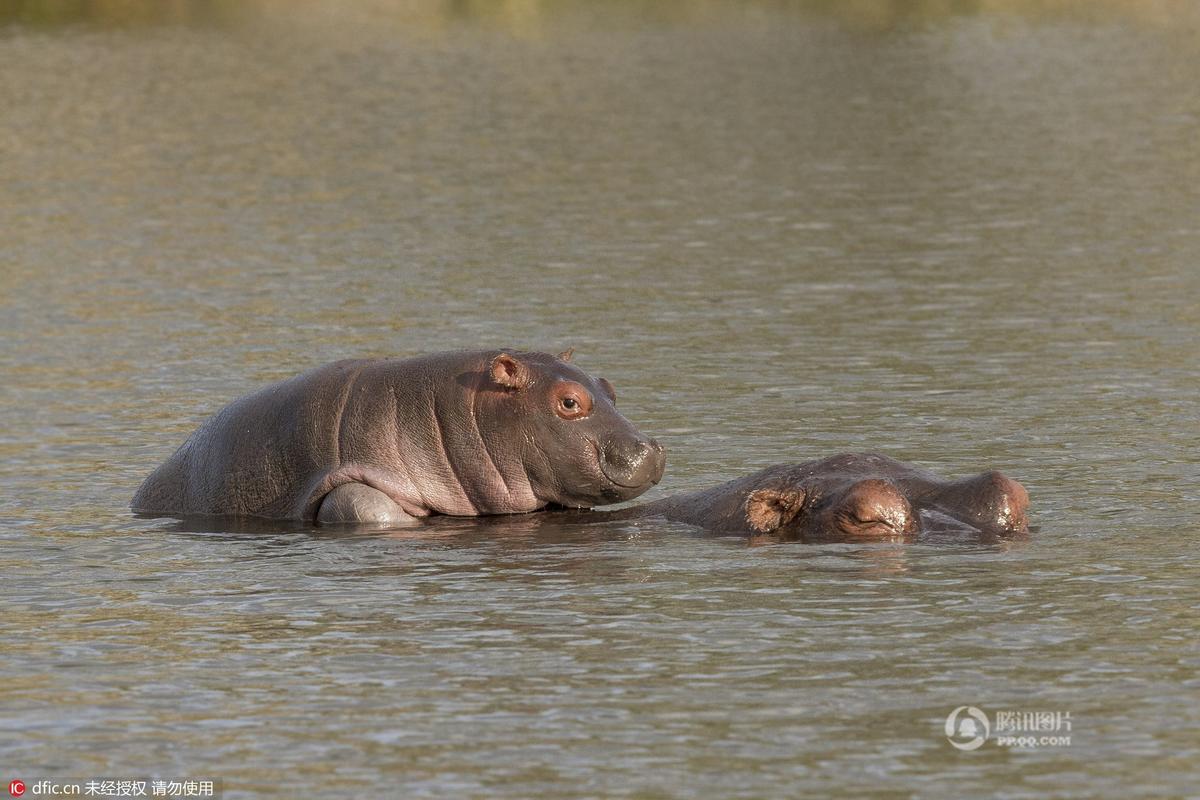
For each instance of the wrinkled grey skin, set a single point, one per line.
(388, 440)
(848, 497)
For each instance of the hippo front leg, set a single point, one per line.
(359, 503)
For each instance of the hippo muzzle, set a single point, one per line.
(632, 464)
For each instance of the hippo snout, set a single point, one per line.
(632, 463)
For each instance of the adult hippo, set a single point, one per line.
(387, 440)
(848, 497)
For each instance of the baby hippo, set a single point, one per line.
(849, 497)
(387, 440)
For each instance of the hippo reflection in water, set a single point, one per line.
(849, 497)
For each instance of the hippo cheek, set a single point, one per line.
(631, 465)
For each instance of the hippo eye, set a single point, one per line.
(572, 401)
(877, 507)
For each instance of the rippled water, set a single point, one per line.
(967, 240)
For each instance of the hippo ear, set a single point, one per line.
(608, 389)
(565, 355)
(770, 509)
(511, 373)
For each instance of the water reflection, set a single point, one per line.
(965, 243)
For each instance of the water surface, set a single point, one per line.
(963, 239)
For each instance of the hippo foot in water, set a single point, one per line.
(850, 497)
(357, 503)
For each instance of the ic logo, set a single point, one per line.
(16, 788)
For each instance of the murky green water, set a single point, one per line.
(964, 239)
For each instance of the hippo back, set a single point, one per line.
(259, 454)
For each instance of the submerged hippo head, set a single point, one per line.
(867, 507)
(850, 497)
(575, 448)
(860, 496)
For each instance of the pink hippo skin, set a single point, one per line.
(388, 440)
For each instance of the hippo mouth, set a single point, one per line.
(618, 483)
